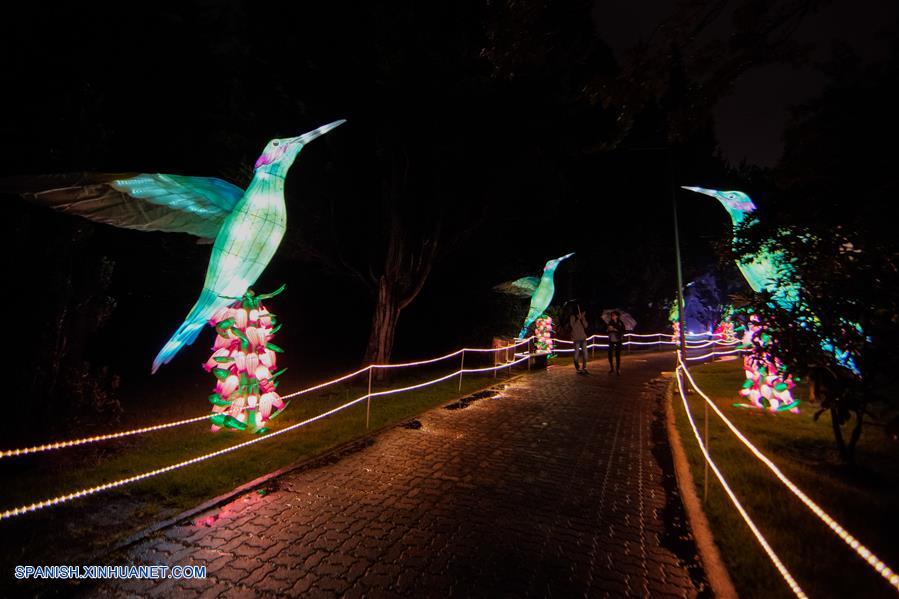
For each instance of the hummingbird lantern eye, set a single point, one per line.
(276, 142)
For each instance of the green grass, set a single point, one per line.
(863, 499)
(86, 525)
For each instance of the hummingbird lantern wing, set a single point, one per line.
(144, 202)
(523, 287)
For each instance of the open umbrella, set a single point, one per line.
(627, 319)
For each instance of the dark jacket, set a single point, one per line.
(616, 330)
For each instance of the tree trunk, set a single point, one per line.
(383, 324)
(838, 436)
(854, 437)
(407, 264)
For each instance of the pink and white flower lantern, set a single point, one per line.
(543, 332)
(243, 361)
(768, 385)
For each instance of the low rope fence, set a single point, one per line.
(505, 357)
(682, 372)
(509, 363)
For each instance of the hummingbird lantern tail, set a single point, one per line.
(205, 308)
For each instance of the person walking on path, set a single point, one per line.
(615, 329)
(578, 324)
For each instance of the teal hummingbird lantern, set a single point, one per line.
(246, 226)
(762, 269)
(541, 291)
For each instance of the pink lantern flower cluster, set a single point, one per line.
(244, 361)
(543, 331)
(768, 385)
(725, 331)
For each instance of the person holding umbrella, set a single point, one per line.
(615, 328)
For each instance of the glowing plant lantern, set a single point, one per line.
(674, 319)
(726, 330)
(768, 385)
(243, 357)
(543, 332)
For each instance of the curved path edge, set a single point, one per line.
(717, 573)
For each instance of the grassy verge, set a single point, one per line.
(863, 499)
(63, 533)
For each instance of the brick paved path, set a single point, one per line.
(560, 486)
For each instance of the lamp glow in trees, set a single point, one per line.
(244, 362)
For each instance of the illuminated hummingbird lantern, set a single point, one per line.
(246, 225)
(762, 269)
(540, 290)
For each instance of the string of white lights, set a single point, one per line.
(167, 425)
(716, 353)
(866, 554)
(24, 509)
(494, 349)
(97, 438)
(791, 582)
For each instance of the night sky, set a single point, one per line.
(749, 121)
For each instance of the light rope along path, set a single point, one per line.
(769, 551)
(6, 453)
(866, 554)
(87, 491)
(55, 445)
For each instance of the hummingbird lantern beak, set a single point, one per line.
(708, 192)
(311, 135)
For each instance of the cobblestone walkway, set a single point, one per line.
(559, 486)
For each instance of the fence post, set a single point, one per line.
(494, 362)
(705, 476)
(368, 400)
(461, 368)
(527, 348)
